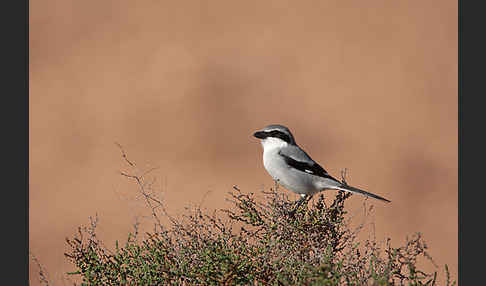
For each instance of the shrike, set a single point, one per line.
(291, 167)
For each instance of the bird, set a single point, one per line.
(291, 167)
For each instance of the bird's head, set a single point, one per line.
(275, 136)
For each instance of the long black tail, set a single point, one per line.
(359, 191)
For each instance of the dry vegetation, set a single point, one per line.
(256, 242)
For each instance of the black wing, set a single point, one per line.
(309, 168)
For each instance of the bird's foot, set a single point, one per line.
(298, 204)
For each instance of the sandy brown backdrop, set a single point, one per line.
(366, 85)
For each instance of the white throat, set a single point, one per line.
(272, 143)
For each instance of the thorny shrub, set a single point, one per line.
(256, 242)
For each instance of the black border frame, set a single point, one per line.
(470, 203)
(15, 119)
(16, 135)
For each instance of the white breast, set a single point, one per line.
(290, 178)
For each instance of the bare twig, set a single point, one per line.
(203, 198)
(144, 189)
(124, 155)
(43, 275)
(136, 226)
(343, 176)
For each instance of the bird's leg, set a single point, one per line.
(276, 185)
(298, 203)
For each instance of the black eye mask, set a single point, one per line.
(274, 133)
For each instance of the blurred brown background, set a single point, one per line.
(182, 85)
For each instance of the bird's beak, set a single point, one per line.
(259, 134)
